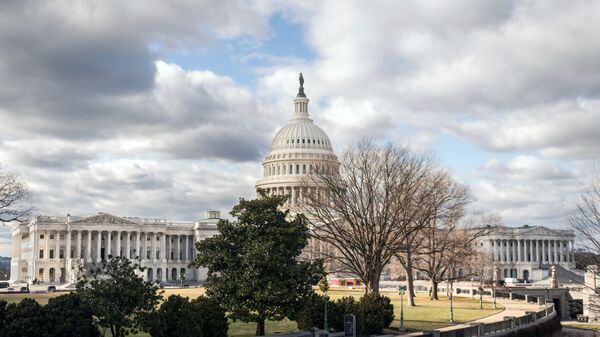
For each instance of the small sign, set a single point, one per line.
(349, 325)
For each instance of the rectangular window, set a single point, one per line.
(41, 253)
(51, 253)
(148, 254)
(172, 254)
(158, 254)
(41, 236)
(51, 236)
(61, 254)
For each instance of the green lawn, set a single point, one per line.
(595, 327)
(426, 315)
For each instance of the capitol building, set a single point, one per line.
(53, 249)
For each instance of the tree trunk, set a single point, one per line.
(260, 327)
(409, 280)
(434, 291)
(480, 299)
(372, 285)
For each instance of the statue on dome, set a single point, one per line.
(301, 89)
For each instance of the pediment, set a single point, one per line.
(539, 230)
(105, 218)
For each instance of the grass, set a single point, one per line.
(425, 316)
(595, 327)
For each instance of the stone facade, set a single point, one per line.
(51, 249)
(527, 252)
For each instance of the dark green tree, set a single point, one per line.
(27, 318)
(120, 299)
(180, 317)
(68, 316)
(254, 269)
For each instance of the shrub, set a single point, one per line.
(372, 314)
(342, 307)
(25, 319)
(311, 314)
(211, 316)
(179, 317)
(68, 316)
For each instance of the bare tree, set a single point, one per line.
(12, 194)
(447, 248)
(585, 220)
(481, 265)
(368, 208)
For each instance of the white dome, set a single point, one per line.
(299, 149)
(301, 133)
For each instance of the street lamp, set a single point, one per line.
(451, 308)
(494, 295)
(325, 328)
(472, 289)
(401, 292)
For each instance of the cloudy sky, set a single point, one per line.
(165, 109)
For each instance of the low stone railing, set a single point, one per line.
(507, 325)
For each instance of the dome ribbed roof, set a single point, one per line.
(301, 133)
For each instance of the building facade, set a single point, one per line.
(54, 249)
(298, 149)
(527, 252)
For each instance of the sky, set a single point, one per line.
(166, 109)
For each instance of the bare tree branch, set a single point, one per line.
(12, 194)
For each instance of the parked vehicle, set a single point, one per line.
(51, 289)
(4, 285)
(24, 289)
(10, 289)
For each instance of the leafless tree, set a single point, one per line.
(448, 248)
(585, 220)
(368, 209)
(12, 195)
(482, 267)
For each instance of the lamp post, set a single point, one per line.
(494, 294)
(451, 308)
(401, 292)
(325, 328)
(472, 289)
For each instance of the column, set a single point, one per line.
(78, 255)
(518, 259)
(530, 251)
(88, 255)
(153, 246)
(555, 251)
(47, 246)
(185, 248)
(118, 252)
(137, 244)
(57, 249)
(163, 247)
(108, 244)
(128, 245)
(99, 246)
(68, 245)
(177, 248)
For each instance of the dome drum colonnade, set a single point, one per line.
(299, 149)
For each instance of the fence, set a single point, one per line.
(482, 329)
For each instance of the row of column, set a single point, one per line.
(143, 242)
(295, 194)
(526, 250)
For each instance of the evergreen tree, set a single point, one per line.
(254, 269)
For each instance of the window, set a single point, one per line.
(41, 236)
(51, 236)
(172, 254)
(158, 254)
(302, 140)
(319, 141)
(148, 254)
(41, 253)
(51, 253)
(297, 168)
(313, 141)
(304, 168)
(61, 254)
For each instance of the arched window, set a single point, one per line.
(302, 140)
(292, 141)
(291, 169)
